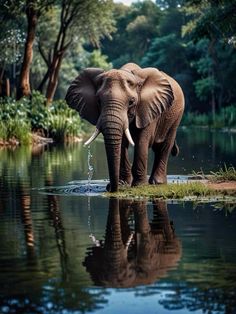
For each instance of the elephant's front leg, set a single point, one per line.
(125, 166)
(139, 168)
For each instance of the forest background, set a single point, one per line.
(44, 44)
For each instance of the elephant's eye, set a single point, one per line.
(99, 83)
(130, 83)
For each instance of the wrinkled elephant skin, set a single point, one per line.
(131, 105)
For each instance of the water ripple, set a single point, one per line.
(77, 188)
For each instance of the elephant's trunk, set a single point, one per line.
(112, 127)
(113, 160)
(112, 138)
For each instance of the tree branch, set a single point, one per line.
(43, 55)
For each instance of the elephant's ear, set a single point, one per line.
(81, 95)
(156, 95)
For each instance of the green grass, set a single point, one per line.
(189, 190)
(225, 173)
(15, 129)
(170, 191)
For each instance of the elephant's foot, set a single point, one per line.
(139, 182)
(157, 180)
(125, 178)
(125, 181)
(121, 183)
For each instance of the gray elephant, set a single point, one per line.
(142, 107)
(136, 254)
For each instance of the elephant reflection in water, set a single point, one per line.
(134, 251)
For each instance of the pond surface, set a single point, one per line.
(65, 253)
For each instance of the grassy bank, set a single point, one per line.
(19, 119)
(224, 118)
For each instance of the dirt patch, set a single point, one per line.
(224, 185)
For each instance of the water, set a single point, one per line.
(67, 251)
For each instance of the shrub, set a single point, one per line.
(38, 112)
(195, 119)
(63, 122)
(15, 129)
(225, 117)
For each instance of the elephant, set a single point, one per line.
(131, 105)
(133, 255)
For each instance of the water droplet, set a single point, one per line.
(90, 169)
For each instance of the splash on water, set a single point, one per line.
(77, 188)
(90, 169)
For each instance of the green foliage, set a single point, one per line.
(15, 130)
(63, 122)
(166, 53)
(211, 19)
(204, 87)
(38, 113)
(194, 119)
(136, 26)
(19, 118)
(11, 46)
(225, 117)
(97, 60)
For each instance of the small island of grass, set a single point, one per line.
(217, 185)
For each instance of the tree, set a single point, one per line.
(211, 18)
(32, 9)
(169, 4)
(78, 19)
(136, 26)
(214, 21)
(11, 50)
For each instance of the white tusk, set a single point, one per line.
(128, 135)
(92, 138)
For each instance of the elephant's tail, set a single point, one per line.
(175, 149)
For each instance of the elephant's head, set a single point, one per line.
(112, 99)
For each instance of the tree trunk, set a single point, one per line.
(2, 71)
(213, 106)
(24, 84)
(53, 77)
(8, 88)
(213, 55)
(43, 82)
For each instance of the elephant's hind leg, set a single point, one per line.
(139, 168)
(162, 152)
